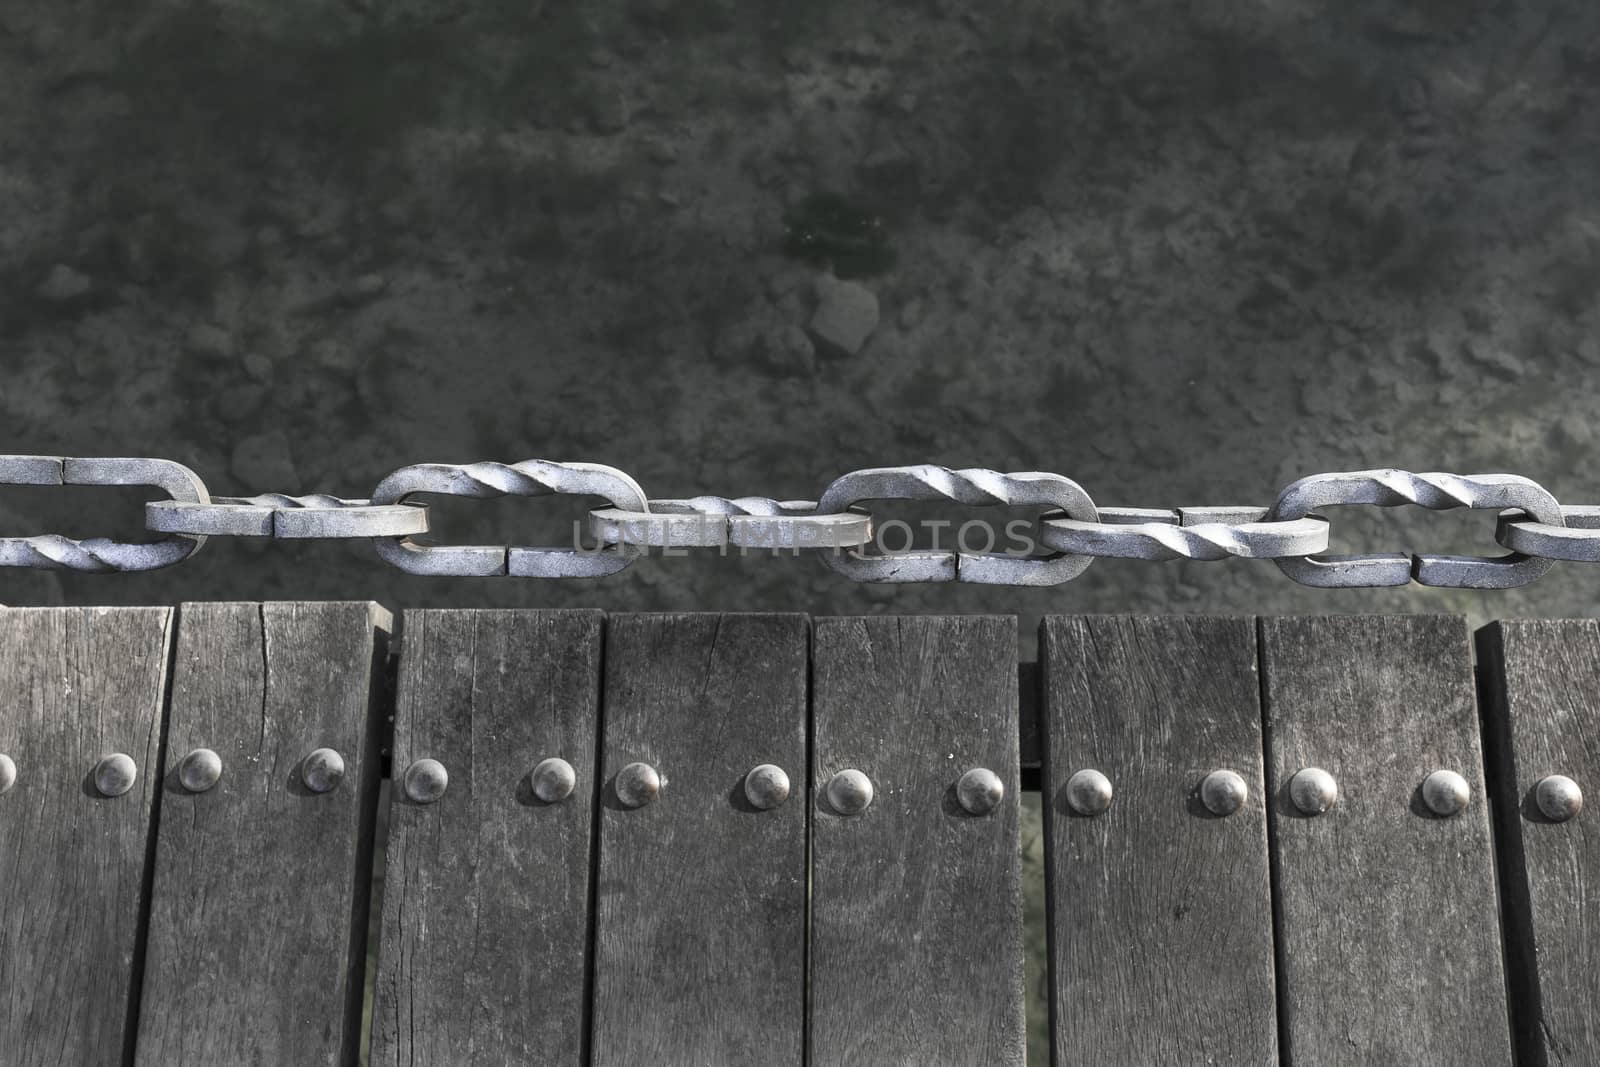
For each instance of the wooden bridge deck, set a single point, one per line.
(709, 925)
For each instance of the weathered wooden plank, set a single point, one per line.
(259, 906)
(916, 953)
(78, 684)
(1388, 937)
(1160, 909)
(487, 888)
(1541, 686)
(700, 929)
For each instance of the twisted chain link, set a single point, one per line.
(1053, 548)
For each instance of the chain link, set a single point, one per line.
(1188, 533)
(277, 515)
(1577, 540)
(745, 522)
(532, 477)
(100, 554)
(1072, 532)
(971, 486)
(1436, 492)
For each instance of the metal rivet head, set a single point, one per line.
(980, 791)
(1089, 792)
(8, 772)
(322, 771)
(553, 780)
(1223, 792)
(426, 781)
(200, 770)
(849, 792)
(1446, 793)
(637, 784)
(1313, 790)
(114, 775)
(1559, 797)
(766, 786)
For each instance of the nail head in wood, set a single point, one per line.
(849, 792)
(322, 771)
(766, 786)
(426, 781)
(980, 791)
(1089, 792)
(1559, 797)
(1223, 792)
(553, 780)
(8, 772)
(200, 770)
(1313, 790)
(115, 774)
(637, 784)
(1446, 793)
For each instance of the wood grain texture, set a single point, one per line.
(258, 913)
(700, 929)
(486, 892)
(1160, 912)
(1541, 684)
(916, 950)
(1389, 945)
(78, 684)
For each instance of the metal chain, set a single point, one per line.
(1056, 548)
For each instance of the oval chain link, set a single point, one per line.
(1435, 491)
(281, 516)
(744, 522)
(1187, 533)
(975, 486)
(100, 554)
(532, 477)
(1578, 541)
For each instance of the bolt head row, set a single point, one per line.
(636, 785)
(1089, 792)
(1312, 790)
(551, 782)
(979, 791)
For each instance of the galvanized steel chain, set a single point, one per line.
(1052, 547)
